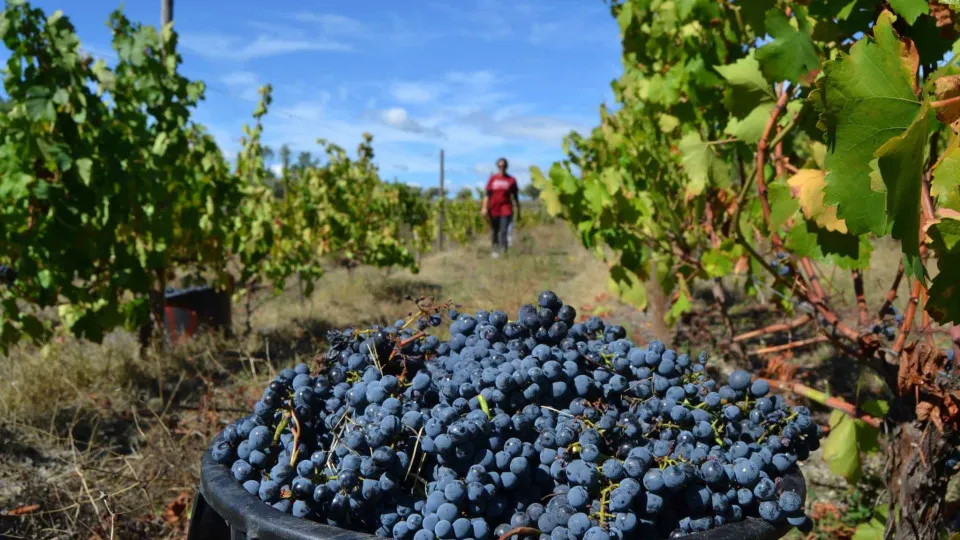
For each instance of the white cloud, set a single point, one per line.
(226, 47)
(413, 92)
(245, 84)
(398, 118)
(332, 23)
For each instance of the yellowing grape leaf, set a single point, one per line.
(668, 123)
(946, 88)
(865, 98)
(549, 197)
(807, 187)
(840, 449)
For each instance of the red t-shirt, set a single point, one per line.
(500, 189)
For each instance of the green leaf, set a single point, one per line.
(39, 104)
(719, 262)
(806, 239)
(750, 129)
(680, 306)
(792, 54)
(946, 178)
(782, 205)
(698, 160)
(625, 17)
(84, 166)
(901, 163)
(910, 9)
(943, 302)
(747, 89)
(746, 73)
(628, 286)
(869, 530)
(840, 448)
(865, 98)
(161, 143)
(668, 123)
(876, 407)
(547, 194)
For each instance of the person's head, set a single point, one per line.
(502, 165)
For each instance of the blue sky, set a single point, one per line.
(478, 78)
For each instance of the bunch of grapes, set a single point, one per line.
(539, 427)
(889, 324)
(7, 274)
(780, 265)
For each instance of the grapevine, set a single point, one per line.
(755, 143)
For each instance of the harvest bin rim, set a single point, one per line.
(244, 516)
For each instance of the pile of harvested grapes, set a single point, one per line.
(541, 427)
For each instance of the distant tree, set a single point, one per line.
(306, 160)
(285, 154)
(465, 193)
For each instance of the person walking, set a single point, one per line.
(497, 204)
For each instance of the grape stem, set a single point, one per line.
(280, 427)
(892, 293)
(861, 299)
(791, 345)
(761, 162)
(823, 399)
(296, 439)
(774, 328)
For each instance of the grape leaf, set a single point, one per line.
(681, 305)
(783, 206)
(697, 159)
(840, 449)
(792, 53)
(750, 128)
(753, 13)
(628, 286)
(745, 75)
(807, 186)
(944, 298)
(846, 251)
(946, 178)
(869, 530)
(865, 98)
(901, 164)
(551, 200)
(910, 9)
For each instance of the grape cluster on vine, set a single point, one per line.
(889, 325)
(780, 264)
(7, 275)
(538, 427)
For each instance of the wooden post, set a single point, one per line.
(166, 12)
(443, 200)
